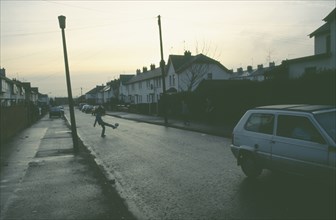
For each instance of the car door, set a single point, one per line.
(258, 131)
(298, 146)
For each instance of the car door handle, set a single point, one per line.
(256, 146)
(272, 142)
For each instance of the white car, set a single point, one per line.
(298, 139)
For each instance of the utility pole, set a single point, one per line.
(61, 20)
(162, 65)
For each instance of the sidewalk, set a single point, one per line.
(218, 130)
(43, 178)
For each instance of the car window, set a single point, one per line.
(261, 123)
(298, 127)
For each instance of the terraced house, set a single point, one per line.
(15, 92)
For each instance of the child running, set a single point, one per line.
(100, 121)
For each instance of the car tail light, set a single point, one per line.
(232, 138)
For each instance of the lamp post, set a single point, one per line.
(162, 65)
(61, 20)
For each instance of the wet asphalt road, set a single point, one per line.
(168, 173)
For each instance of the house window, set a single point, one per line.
(170, 80)
(174, 80)
(209, 76)
(140, 85)
(3, 86)
(15, 89)
(132, 87)
(148, 84)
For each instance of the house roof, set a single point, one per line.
(325, 28)
(321, 30)
(107, 88)
(182, 62)
(179, 62)
(249, 74)
(150, 74)
(95, 90)
(330, 16)
(124, 78)
(308, 58)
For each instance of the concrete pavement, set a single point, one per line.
(43, 178)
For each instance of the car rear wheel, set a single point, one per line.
(250, 167)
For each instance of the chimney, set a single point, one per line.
(272, 64)
(187, 53)
(3, 72)
(249, 69)
(240, 70)
(260, 67)
(138, 71)
(152, 67)
(144, 69)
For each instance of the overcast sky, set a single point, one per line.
(109, 38)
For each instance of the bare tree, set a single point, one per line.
(195, 73)
(198, 67)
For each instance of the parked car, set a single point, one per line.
(56, 111)
(298, 139)
(83, 107)
(87, 108)
(94, 110)
(123, 107)
(80, 106)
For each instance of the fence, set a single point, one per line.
(15, 118)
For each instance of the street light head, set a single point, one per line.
(61, 20)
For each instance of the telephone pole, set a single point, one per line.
(61, 20)
(162, 65)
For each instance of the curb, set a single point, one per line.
(92, 156)
(107, 177)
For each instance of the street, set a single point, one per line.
(169, 173)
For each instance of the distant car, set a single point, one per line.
(56, 111)
(84, 107)
(122, 107)
(87, 108)
(298, 139)
(94, 110)
(80, 106)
